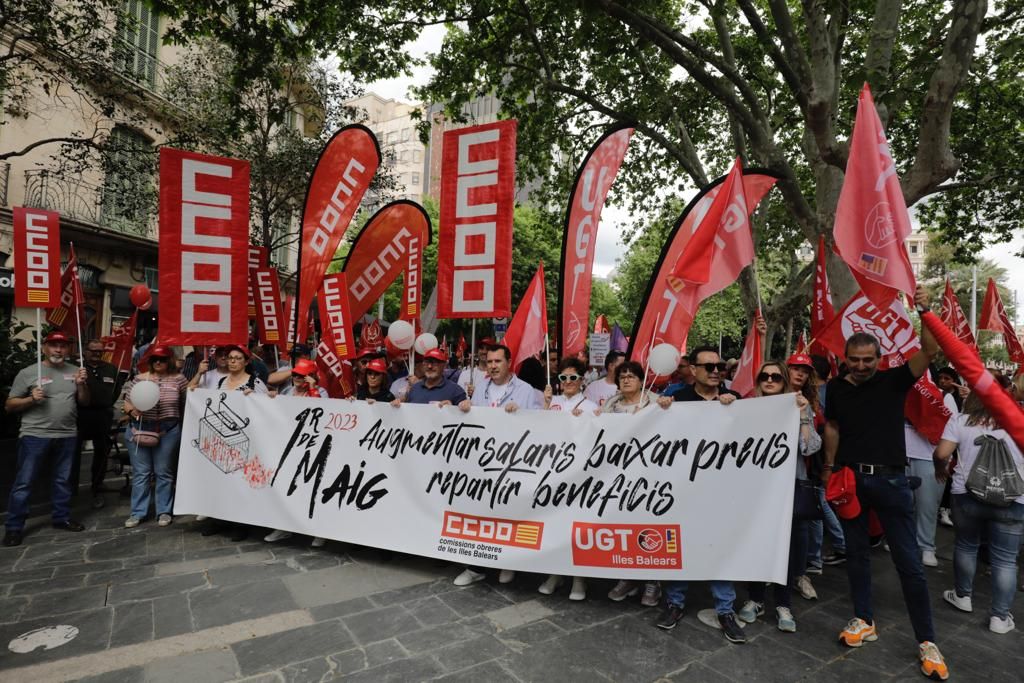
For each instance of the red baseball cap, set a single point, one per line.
(436, 354)
(841, 493)
(56, 338)
(800, 359)
(367, 352)
(488, 341)
(377, 365)
(160, 351)
(304, 367)
(228, 348)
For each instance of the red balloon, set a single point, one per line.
(141, 297)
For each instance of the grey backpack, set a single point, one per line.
(993, 478)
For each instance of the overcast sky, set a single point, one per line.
(614, 220)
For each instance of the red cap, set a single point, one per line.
(377, 365)
(800, 359)
(304, 367)
(56, 338)
(366, 352)
(841, 493)
(228, 348)
(436, 354)
(488, 341)
(160, 351)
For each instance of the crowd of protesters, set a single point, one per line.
(852, 425)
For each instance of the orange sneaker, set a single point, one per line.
(932, 664)
(857, 632)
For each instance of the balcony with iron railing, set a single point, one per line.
(99, 206)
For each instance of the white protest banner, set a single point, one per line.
(695, 492)
(600, 345)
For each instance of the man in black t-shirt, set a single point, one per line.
(864, 431)
(96, 419)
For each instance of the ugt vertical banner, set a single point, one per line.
(204, 247)
(36, 258)
(474, 248)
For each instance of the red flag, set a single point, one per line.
(601, 324)
(391, 242)
(461, 347)
(871, 218)
(994, 318)
(924, 408)
(1004, 409)
(36, 258)
(342, 174)
(727, 214)
(529, 326)
(579, 241)
(270, 320)
(371, 336)
(891, 327)
(204, 242)
(745, 380)
(117, 348)
(474, 244)
(801, 344)
(334, 374)
(71, 297)
(953, 316)
(335, 315)
(668, 310)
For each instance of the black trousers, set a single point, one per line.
(93, 425)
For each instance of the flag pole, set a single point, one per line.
(472, 350)
(39, 350)
(647, 360)
(757, 285)
(974, 301)
(547, 355)
(78, 317)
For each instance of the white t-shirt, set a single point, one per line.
(479, 377)
(600, 391)
(568, 405)
(918, 447)
(963, 435)
(212, 378)
(491, 395)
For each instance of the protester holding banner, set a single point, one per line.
(282, 375)
(376, 386)
(48, 409)
(1002, 525)
(238, 379)
(434, 388)
(708, 376)
(605, 388)
(96, 420)
(502, 389)
(210, 378)
(304, 382)
(864, 432)
(773, 378)
(152, 437)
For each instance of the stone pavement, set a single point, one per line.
(166, 604)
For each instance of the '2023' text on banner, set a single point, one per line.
(697, 492)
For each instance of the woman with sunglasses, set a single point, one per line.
(570, 401)
(772, 380)
(165, 419)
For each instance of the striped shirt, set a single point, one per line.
(172, 395)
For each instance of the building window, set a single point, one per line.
(415, 179)
(406, 134)
(152, 279)
(392, 136)
(129, 197)
(417, 156)
(913, 248)
(138, 35)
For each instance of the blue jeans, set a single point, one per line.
(32, 451)
(797, 564)
(889, 495)
(926, 501)
(1004, 527)
(722, 591)
(149, 461)
(817, 529)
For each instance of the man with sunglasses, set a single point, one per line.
(96, 419)
(864, 430)
(709, 371)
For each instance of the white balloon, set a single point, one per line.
(425, 342)
(401, 334)
(664, 359)
(145, 395)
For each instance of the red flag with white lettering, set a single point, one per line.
(36, 258)
(390, 243)
(994, 318)
(925, 409)
(474, 246)
(669, 307)
(872, 221)
(259, 257)
(343, 172)
(71, 296)
(953, 316)
(117, 348)
(336, 315)
(745, 380)
(204, 244)
(270, 320)
(579, 241)
(529, 326)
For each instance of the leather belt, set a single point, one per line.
(878, 469)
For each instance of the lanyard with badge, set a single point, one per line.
(504, 397)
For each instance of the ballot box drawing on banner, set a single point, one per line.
(222, 438)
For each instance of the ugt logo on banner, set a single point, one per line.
(204, 237)
(474, 249)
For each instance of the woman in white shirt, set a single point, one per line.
(1004, 526)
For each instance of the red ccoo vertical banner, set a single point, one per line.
(336, 315)
(259, 257)
(270, 325)
(474, 252)
(36, 258)
(204, 242)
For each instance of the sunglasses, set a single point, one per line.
(711, 367)
(569, 378)
(769, 377)
(159, 359)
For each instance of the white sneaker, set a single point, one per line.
(945, 519)
(1001, 624)
(579, 589)
(132, 522)
(961, 603)
(550, 585)
(201, 518)
(928, 558)
(277, 535)
(318, 542)
(469, 577)
(804, 587)
(506, 576)
(785, 618)
(164, 520)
